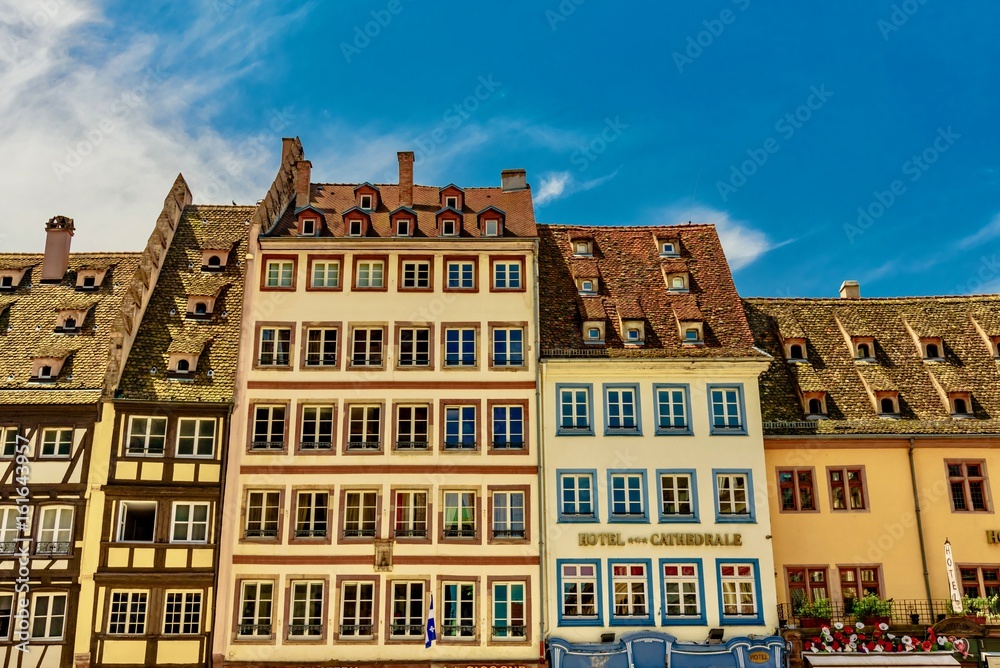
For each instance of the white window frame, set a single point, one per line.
(325, 274)
(733, 590)
(48, 617)
(191, 525)
(374, 350)
(410, 514)
(270, 502)
(727, 482)
(278, 341)
(317, 416)
(502, 417)
(451, 202)
(60, 531)
(360, 227)
(492, 227)
(186, 616)
(445, 225)
(459, 526)
(261, 605)
(591, 489)
(366, 502)
(580, 409)
(283, 275)
(676, 490)
(463, 625)
(421, 275)
(403, 227)
(513, 631)
(408, 433)
(511, 352)
(130, 617)
(312, 518)
(317, 349)
(57, 443)
(418, 349)
(304, 621)
(141, 427)
(309, 227)
(10, 438)
(370, 275)
(7, 600)
(510, 277)
(369, 418)
(123, 513)
(10, 532)
(678, 590)
(627, 478)
(616, 401)
(634, 585)
(458, 417)
(459, 359)
(272, 435)
(510, 512)
(370, 199)
(363, 594)
(411, 595)
(198, 439)
(464, 267)
(571, 574)
(670, 410)
(727, 413)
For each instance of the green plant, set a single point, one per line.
(820, 608)
(975, 605)
(994, 605)
(798, 601)
(872, 606)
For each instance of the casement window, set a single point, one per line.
(306, 614)
(977, 581)
(364, 427)
(407, 610)
(48, 616)
(847, 489)
(326, 274)
(459, 347)
(451, 202)
(309, 227)
(410, 520)
(360, 514)
(579, 591)
(630, 590)
(622, 410)
(355, 228)
(416, 275)
(577, 498)
(733, 497)
(357, 609)
(795, 486)
(414, 346)
(492, 227)
(508, 515)
(449, 228)
(146, 435)
(738, 585)
(275, 346)
(458, 619)
(967, 481)
(58, 443)
(508, 427)
(627, 494)
(9, 439)
(461, 275)
(280, 274)
(681, 591)
(190, 523)
(136, 521)
(460, 427)
(128, 613)
(672, 413)
(182, 613)
(56, 533)
(726, 407)
(856, 582)
(411, 427)
(196, 437)
(371, 274)
(9, 530)
(508, 346)
(509, 611)
(807, 584)
(321, 347)
(366, 202)
(460, 514)
(574, 410)
(6, 615)
(256, 599)
(677, 498)
(311, 510)
(367, 347)
(263, 511)
(268, 428)
(317, 428)
(507, 275)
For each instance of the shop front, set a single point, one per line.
(654, 649)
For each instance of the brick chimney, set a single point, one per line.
(850, 290)
(58, 236)
(513, 179)
(405, 178)
(303, 171)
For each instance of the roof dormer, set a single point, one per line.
(814, 405)
(309, 221)
(403, 221)
(887, 403)
(668, 247)
(678, 281)
(587, 285)
(582, 246)
(452, 197)
(201, 303)
(795, 350)
(366, 197)
(692, 332)
(89, 279)
(357, 222)
(46, 367)
(69, 320)
(633, 331)
(449, 222)
(215, 258)
(593, 332)
(960, 404)
(183, 356)
(931, 348)
(490, 221)
(863, 348)
(10, 278)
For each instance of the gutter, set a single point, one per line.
(879, 437)
(920, 526)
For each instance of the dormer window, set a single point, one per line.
(582, 248)
(309, 227)
(91, 282)
(864, 348)
(11, 278)
(492, 227)
(587, 286)
(593, 332)
(888, 403)
(960, 404)
(214, 262)
(89, 279)
(69, 321)
(183, 366)
(366, 202)
(692, 333)
(795, 350)
(6, 281)
(46, 369)
(634, 332)
(677, 282)
(995, 347)
(355, 228)
(815, 405)
(449, 227)
(668, 249)
(202, 306)
(932, 349)
(214, 259)
(451, 202)
(69, 324)
(403, 227)
(45, 373)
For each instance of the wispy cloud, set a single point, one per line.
(557, 185)
(990, 230)
(742, 243)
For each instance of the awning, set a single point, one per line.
(894, 660)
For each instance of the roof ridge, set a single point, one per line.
(623, 227)
(869, 300)
(415, 185)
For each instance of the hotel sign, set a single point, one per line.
(992, 537)
(673, 539)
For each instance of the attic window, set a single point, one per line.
(961, 404)
(634, 332)
(183, 366)
(933, 349)
(201, 307)
(403, 227)
(668, 249)
(214, 259)
(46, 369)
(448, 228)
(692, 332)
(593, 332)
(69, 321)
(691, 335)
(582, 247)
(815, 405)
(492, 227)
(677, 282)
(864, 349)
(366, 204)
(89, 281)
(309, 227)
(6, 281)
(45, 373)
(795, 350)
(451, 202)
(355, 227)
(888, 403)
(587, 286)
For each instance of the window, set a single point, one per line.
(574, 409)
(263, 511)
(508, 427)
(326, 274)
(508, 347)
(594, 335)
(507, 275)
(321, 347)
(146, 435)
(6, 281)
(459, 347)
(961, 406)
(577, 498)
(856, 582)
(460, 427)
(366, 202)
(182, 614)
(508, 515)
(629, 591)
(667, 248)
(795, 351)
(887, 406)
(416, 275)
(356, 227)
(360, 514)
(581, 248)
(407, 610)
(672, 409)
(733, 496)
(367, 348)
(403, 227)
(449, 228)
(9, 439)
(588, 286)
(311, 514)
(682, 592)
(317, 428)
(451, 202)
(976, 581)
(677, 283)
(627, 495)
(255, 609)
(795, 486)
(459, 514)
(414, 346)
(128, 613)
(9, 530)
(183, 366)
(48, 616)
(807, 585)
(461, 275)
(213, 261)
(579, 584)
(411, 515)
(492, 227)
(622, 410)
(56, 533)
(268, 428)
(136, 521)
(932, 351)
(58, 442)
(275, 346)
(677, 496)
(508, 611)
(459, 619)
(364, 428)
(370, 274)
(190, 524)
(968, 486)
(195, 437)
(726, 407)
(816, 407)
(280, 274)
(411, 427)
(357, 609)
(847, 489)
(6, 615)
(309, 227)
(864, 351)
(738, 590)
(306, 615)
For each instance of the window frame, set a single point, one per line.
(525, 492)
(185, 593)
(357, 261)
(460, 581)
(390, 594)
(147, 436)
(379, 432)
(428, 428)
(400, 327)
(245, 520)
(343, 581)
(740, 620)
(578, 518)
(307, 328)
(410, 521)
(694, 517)
(508, 260)
(59, 431)
(259, 328)
(796, 490)
(121, 508)
(38, 521)
(614, 518)
(508, 327)
(859, 583)
(751, 516)
(474, 327)
(465, 259)
(647, 619)
(313, 260)
(491, 406)
(966, 488)
(302, 407)
(367, 327)
(10, 438)
(197, 435)
(588, 430)
(403, 261)
(741, 429)
(477, 520)
(444, 406)
(606, 390)
(687, 429)
(137, 593)
(241, 602)
(266, 260)
(293, 517)
(191, 522)
(290, 601)
(492, 582)
(598, 593)
(251, 426)
(342, 527)
(683, 620)
(51, 596)
(845, 470)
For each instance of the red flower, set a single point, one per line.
(807, 645)
(877, 633)
(816, 640)
(927, 645)
(861, 637)
(836, 645)
(870, 646)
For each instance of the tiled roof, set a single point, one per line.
(163, 332)
(26, 328)
(827, 324)
(333, 199)
(632, 284)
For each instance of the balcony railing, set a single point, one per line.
(459, 445)
(411, 445)
(316, 445)
(255, 629)
(310, 533)
(453, 532)
(8, 547)
(508, 533)
(260, 533)
(364, 445)
(459, 630)
(305, 630)
(903, 612)
(508, 445)
(267, 445)
(411, 533)
(407, 630)
(58, 547)
(359, 533)
(508, 631)
(355, 630)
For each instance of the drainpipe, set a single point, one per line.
(920, 531)
(542, 512)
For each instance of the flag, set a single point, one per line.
(956, 594)
(430, 635)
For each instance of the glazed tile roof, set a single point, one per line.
(963, 323)
(163, 332)
(632, 284)
(28, 318)
(334, 199)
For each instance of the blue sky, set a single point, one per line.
(827, 141)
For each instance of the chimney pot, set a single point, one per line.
(58, 236)
(850, 290)
(405, 178)
(303, 172)
(513, 179)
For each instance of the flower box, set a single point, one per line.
(814, 622)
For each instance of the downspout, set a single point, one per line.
(542, 513)
(920, 531)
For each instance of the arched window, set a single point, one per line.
(960, 407)
(677, 282)
(183, 366)
(932, 350)
(215, 261)
(864, 351)
(795, 351)
(70, 323)
(201, 308)
(888, 406)
(815, 407)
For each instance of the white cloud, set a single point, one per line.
(557, 185)
(742, 243)
(989, 231)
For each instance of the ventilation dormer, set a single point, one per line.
(887, 403)
(932, 348)
(668, 247)
(309, 221)
(403, 221)
(46, 367)
(491, 222)
(89, 279)
(452, 197)
(678, 281)
(795, 350)
(366, 197)
(692, 332)
(863, 348)
(593, 332)
(214, 258)
(448, 221)
(10, 278)
(814, 405)
(69, 320)
(356, 222)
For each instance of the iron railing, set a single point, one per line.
(903, 612)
